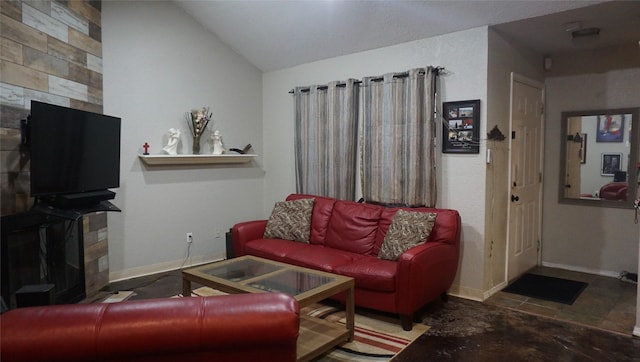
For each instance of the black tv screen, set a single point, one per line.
(72, 151)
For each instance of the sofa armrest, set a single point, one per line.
(425, 272)
(246, 231)
(220, 328)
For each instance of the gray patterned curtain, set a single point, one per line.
(326, 125)
(398, 156)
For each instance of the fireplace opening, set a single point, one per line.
(42, 249)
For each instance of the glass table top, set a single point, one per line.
(241, 270)
(268, 276)
(292, 282)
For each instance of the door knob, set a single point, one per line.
(515, 198)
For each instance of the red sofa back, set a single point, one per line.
(322, 209)
(361, 227)
(614, 191)
(242, 327)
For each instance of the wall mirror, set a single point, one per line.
(599, 157)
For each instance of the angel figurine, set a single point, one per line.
(172, 145)
(218, 147)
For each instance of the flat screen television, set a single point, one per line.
(75, 154)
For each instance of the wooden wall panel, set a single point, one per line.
(11, 50)
(16, 74)
(51, 52)
(23, 34)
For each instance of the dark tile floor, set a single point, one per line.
(607, 303)
(501, 329)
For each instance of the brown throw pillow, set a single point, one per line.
(407, 229)
(290, 220)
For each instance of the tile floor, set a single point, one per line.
(607, 303)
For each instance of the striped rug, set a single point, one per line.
(378, 336)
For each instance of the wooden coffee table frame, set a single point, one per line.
(316, 336)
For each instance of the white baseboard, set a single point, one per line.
(162, 267)
(466, 293)
(480, 296)
(605, 273)
(636, 331)
(487, 294)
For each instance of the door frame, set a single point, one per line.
(534, 83)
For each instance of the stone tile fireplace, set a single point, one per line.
(46, 44)
(47, 249)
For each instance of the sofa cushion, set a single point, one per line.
(275, 249)
(322, 209)
(321, 257)
(371, 273)
(385, 221)
(290, 220)
(353, 227)
(407, 230)
(305, 255)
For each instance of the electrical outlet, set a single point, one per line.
(189, 237)
(218, 233)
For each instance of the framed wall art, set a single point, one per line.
(461, 127)
(610, 128)
(610, 163)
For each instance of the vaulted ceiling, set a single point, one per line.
(274, 35)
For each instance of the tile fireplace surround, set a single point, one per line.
(96, 250)
(72, 254)
(48, 44)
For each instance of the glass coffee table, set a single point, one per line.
(250, 274)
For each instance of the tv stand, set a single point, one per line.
(74, 213)
(79, 200)
(74, 206)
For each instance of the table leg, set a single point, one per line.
(186, 287)
(350, 311)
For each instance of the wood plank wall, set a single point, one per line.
(51, 51)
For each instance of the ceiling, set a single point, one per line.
(275, 35)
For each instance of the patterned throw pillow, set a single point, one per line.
(290, 220)
(407, 229)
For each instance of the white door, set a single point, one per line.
(527, 109)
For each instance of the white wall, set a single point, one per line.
(505, 57)
(461, 179)
(596, 240)
(159, 64)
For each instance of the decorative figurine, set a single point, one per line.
(172, 145)
(242, 151)
(218, 147)
(146, 148)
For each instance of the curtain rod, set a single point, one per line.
(436, 71)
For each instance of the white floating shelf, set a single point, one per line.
(152, 160)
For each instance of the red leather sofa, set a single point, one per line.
(242, 327)
(421, 274)
(616, 191)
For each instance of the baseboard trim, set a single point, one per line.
(162, 267)
(466, 293)
(636, 331)
(605, 273)
(487, 294)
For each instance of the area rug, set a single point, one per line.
(378, 337)
(547, 288)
